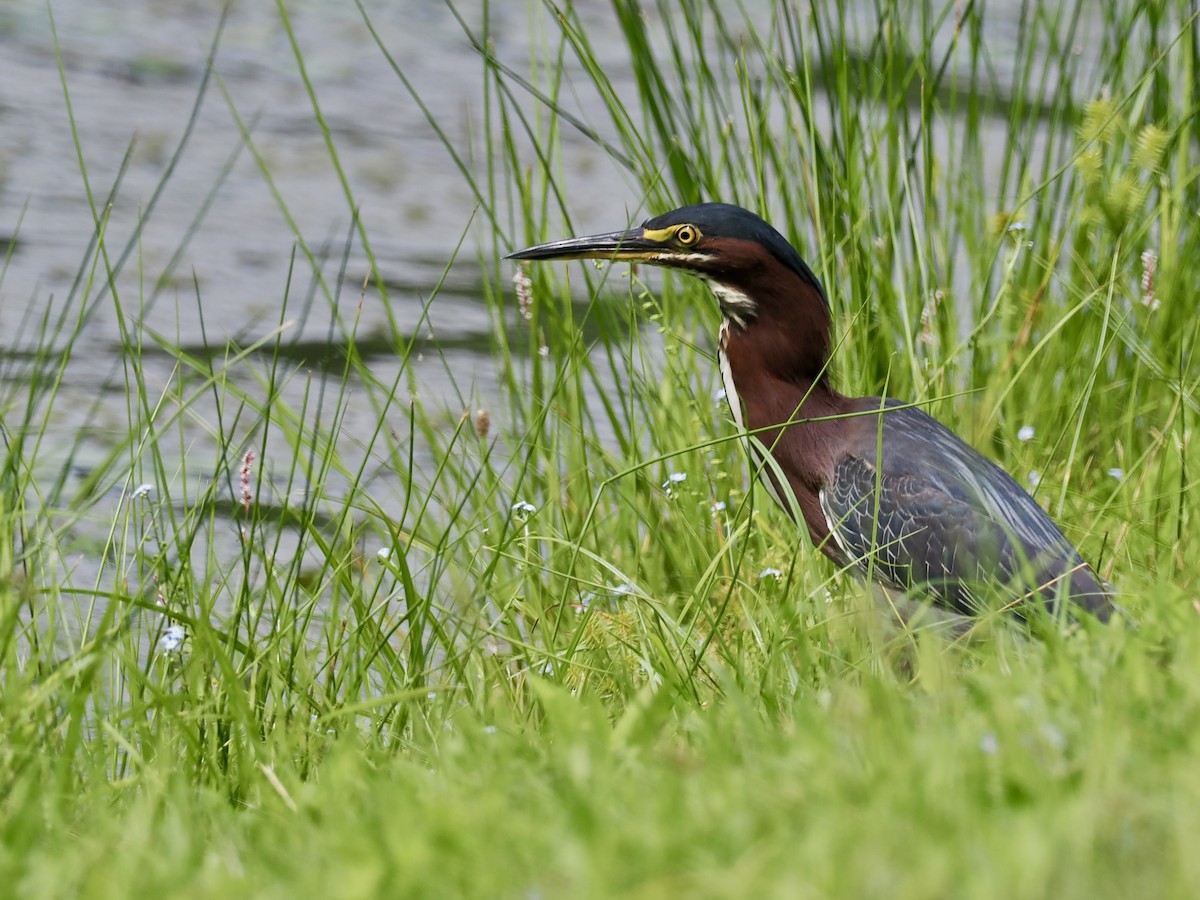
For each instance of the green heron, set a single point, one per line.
(881, 486)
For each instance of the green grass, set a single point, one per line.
(398, 680)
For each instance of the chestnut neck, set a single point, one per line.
(789, 331)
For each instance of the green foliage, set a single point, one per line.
(502, 651)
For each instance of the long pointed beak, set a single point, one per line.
(614, 245)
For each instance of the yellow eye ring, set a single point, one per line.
(687, 235)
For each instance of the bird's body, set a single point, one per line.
(880, 486)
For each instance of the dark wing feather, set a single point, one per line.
(947, 519)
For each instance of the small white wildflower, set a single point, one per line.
(384, 553)
(1025, 434)
(1117, 473)
(247, 473)
(548, 669)
(142, 490)
(989, 744)
(770, 572)
(1035, 478)
(524, 507)
(675, 478)
(718, 395)
(718, 506)
(1017, 227)
(171, 638)
(523, 286)
(489, 729)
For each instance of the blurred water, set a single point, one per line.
(133, 70)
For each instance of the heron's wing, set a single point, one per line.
(926, 510)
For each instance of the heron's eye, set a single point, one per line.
(687, 235)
